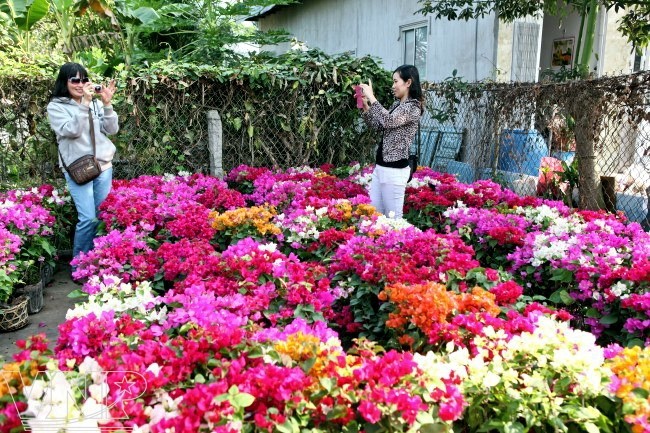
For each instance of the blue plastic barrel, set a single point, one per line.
(564, 156)
(521, 151)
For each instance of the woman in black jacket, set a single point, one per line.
(398, 127)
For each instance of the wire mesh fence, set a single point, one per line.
(523, 136)
(277, 128)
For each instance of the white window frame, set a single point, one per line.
(413, 27)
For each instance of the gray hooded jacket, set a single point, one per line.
(69, 120)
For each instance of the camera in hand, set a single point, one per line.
(358, 94)
(98, 88)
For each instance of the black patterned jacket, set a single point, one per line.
(398, 125)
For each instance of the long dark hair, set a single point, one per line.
(410, 72)
(67, 71)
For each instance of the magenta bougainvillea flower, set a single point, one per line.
(338, 318)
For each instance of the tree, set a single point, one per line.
(635, 24)
(188, 30)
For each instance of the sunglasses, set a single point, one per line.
(77, 80)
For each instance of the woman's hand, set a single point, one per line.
(368, 95)
(88, 93)
(107, 93)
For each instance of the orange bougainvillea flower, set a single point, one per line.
(304, 347)
(478, 301)
(257, 216)
(419, 304)
(365, 210)
(631, 372)
(425, 305)
(13, 377)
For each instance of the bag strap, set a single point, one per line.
(92, 130)
(92, 138)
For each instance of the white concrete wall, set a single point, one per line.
(617, 58)
(372, 27)
(478, 49)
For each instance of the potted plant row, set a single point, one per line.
(28, 223)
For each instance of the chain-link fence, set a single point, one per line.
(516, 134)
(526, 137)
(279, 128)
(164, 128)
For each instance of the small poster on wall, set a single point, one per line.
(562, 52)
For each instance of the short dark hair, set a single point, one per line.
(67, 71)
(410, 72)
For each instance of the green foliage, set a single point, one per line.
(467, 9)
(450, 91)
(23, 13)
(186, 30)
(635, 24)
(292, 109)
(19, 16)
(559, 75)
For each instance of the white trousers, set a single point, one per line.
(387, 190)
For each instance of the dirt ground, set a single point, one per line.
(55, 305)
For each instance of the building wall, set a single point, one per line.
(372, 27)
(617, 52)
(477, 49)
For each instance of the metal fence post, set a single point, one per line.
(215, 143)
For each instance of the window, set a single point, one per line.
(637, 60)
(636, 67)
(415, 48)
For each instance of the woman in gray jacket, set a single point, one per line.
(71, 109)
(398, 127)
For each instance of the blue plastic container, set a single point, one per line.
(564, 156)
(521, 151)
(463, 171)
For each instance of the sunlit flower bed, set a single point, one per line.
(282, 302)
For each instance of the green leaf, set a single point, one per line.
(199, 378)
(34, 13)
(287, 427)
(77, 293)
(610, 319)
(243, 400)
(434, 428)
(562, 275)
(561, 297)
(145, 15)
(327, 383)
(308, 364)
(635, 342)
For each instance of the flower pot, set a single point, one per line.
(15, 316)
(35, 294)
(47, 274)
